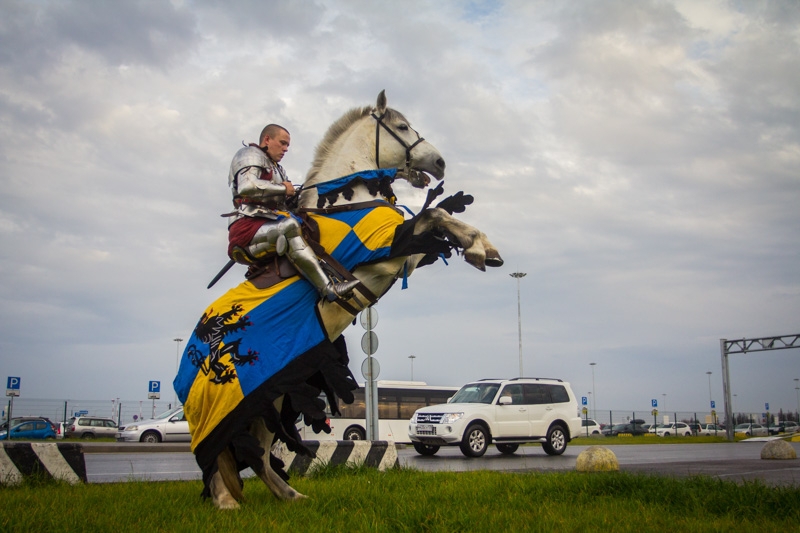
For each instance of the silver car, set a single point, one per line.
(90, 427)
(166, 427)
(752, 430)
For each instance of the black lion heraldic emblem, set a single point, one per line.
(212, 330)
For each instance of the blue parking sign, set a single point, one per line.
(713, 404)
(584, 400)
(654, 402)
(154, 391)
(12, 386)
(766, 406)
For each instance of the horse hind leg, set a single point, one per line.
(225, 486)
(279, 487)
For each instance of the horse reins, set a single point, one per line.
(408, 147)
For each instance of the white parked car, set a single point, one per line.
(504, 412)
(167, 427)
(673, 428)
(589, 426)
(711, 429)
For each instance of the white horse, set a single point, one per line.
(358, 146)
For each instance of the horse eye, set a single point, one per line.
(403, 127)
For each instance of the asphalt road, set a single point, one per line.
(738, 462)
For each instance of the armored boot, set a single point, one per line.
(306, 261)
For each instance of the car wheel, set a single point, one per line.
(475, 441)
(595, 432)
(507, 449)
(556, 440)
(666, 433)
(150, 436)
(425, 449)
(87, 436)
(354, 433)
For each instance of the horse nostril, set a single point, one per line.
(440, 163)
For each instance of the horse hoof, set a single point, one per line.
(493, 259)
(226, 503)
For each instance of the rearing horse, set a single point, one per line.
(293, 339)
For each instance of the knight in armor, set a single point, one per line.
(261, 225)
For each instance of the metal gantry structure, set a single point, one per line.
(762, 344)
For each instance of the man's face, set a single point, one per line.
(277, 145)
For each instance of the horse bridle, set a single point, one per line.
(380, 123)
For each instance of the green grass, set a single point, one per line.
(404, 500)
(653, 439)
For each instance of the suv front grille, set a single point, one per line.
(429, 418)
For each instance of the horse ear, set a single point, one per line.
(380, 107)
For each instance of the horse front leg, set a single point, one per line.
(271, 479)
(478, 250)
(225, 486)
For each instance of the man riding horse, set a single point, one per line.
(261, 227)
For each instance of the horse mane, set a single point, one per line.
(337, 129)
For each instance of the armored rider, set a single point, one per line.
(261, 224)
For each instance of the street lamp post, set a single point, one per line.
(594, 396)
(412, 357)
(664, 402)
(177, 363)
(797, 391)
(518, 276)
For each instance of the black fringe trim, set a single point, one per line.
(323, 368)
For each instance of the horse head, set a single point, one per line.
(372, 138)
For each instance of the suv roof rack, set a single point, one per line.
(549, 379)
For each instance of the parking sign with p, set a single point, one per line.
(12, 386)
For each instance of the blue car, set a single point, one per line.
(30, 429)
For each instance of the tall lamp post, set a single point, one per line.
(797, 391)
(412, 357)
(518, 276)
(664, 402)
(177, 361)
(594, 396)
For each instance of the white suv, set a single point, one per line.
(504, 412)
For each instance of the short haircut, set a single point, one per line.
(271, 130)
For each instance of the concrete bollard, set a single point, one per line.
(778, 449)
(20, 460)
(597, 459)
(378, 454)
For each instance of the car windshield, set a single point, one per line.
(743, 426)
(167, 414)
(476, 393)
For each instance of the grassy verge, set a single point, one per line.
(652, 439)
(405, 500)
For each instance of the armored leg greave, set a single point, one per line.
(284, 237)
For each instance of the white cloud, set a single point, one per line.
(639, 162)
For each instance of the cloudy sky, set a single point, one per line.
(639, 161)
